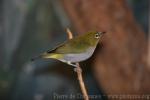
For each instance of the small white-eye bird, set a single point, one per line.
(74, 50)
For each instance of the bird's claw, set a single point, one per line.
(74, 65)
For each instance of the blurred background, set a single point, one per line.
(29, 27)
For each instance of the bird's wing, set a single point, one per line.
(70, 46)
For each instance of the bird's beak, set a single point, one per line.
(103, 33)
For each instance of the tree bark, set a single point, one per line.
(120, 65)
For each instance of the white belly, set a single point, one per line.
(78, 57)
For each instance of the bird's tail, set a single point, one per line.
(48, 55)
(38, 57)
(35, 58)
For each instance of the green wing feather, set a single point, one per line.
(70, 46)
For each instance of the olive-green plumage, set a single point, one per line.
(75, 50)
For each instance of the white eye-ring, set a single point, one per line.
(97, 35)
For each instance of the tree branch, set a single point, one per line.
(79, 72)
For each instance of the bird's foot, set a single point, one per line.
(72, 64)
(77, 68)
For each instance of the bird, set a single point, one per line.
(74, 50)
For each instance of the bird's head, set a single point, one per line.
(93, 37)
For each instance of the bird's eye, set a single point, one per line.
(97, 35)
